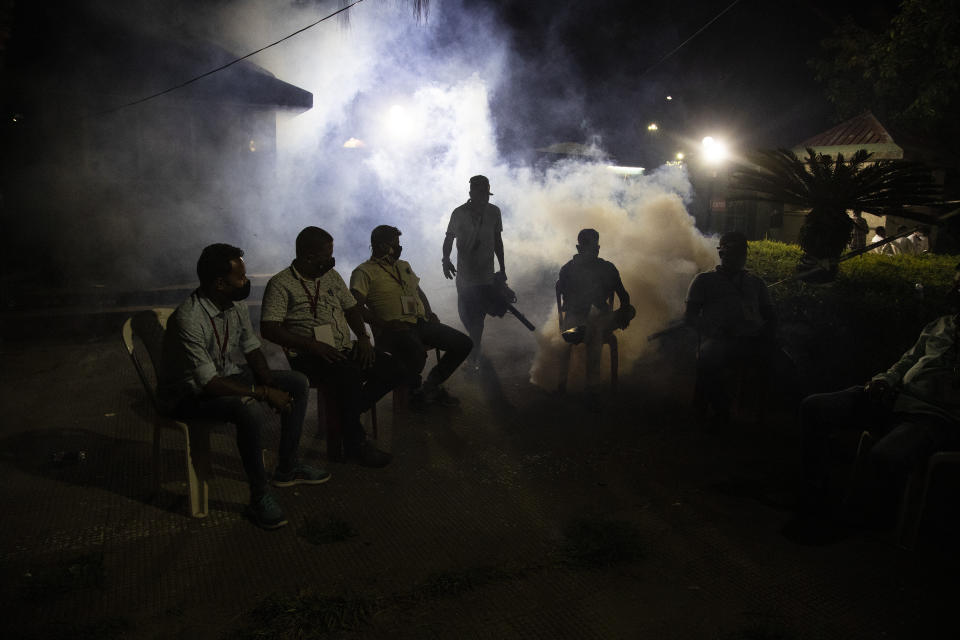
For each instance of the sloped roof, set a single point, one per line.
(861, 130)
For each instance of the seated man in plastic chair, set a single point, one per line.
(585, 288)
(403, 323)
(731, 310)
(199, 378)
(912, 410)
(308, 311)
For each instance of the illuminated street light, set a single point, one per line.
(679, 155)
(652, 126)
(714, 151)
(669, 98)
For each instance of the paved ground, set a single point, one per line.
(518, 515)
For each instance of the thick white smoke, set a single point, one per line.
(421, 109)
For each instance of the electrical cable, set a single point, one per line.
(229, 64)
(696, 33)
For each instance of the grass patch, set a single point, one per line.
(600, 542)
(325, 531)
(72, 574)
(305, 616)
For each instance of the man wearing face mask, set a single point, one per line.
(308, 311)
(476, 226)
(732, 311)
(199, 379)
(403, 323)
(586, 286)
(912, 410)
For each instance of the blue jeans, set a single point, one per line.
(250, 416)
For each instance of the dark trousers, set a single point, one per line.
(717, 364)
(472, 304)
(356, 389)
(250, 416)
(410, 346)
(905, 440)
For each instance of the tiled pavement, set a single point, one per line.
(472, 532)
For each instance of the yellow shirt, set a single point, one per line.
(390, 289)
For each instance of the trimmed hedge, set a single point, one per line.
(844, 332)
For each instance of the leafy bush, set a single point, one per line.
(844, 332)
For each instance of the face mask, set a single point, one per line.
(241, 293)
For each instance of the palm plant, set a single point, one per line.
(828, 188)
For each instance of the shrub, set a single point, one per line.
(844, 332)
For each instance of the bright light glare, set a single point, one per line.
(652, 126)
(353, 143)
(679, 155)
(669, 97)
(399, 122)
(714, 151)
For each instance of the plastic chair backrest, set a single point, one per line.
(143, 339)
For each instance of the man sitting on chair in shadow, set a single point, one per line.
(912, 411)
(199, 379)
(731, 310)
(586, 286)
(389, 292)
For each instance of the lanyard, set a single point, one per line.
(216, 335)
(316, 296)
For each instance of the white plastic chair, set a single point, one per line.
(142, 338)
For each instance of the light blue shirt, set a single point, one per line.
(199, 345)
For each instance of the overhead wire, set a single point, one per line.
(229, 64)
(695, 34)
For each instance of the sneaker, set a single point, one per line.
(300, 474)
(367, 455)
(267, 513)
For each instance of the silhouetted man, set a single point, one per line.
(402, 320)
(858, 236)
(308, 310)
(586, 286)
(731, 309)
(912, 410)
(199, 378)
(477, 226)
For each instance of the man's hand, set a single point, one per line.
(878, 391)
(325, 352)
(448, 269)
(278, 399)
(364, 352)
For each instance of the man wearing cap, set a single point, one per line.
(403, 323)
(732, 311)
(477, 226)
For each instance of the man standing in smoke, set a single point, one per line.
(477, 226)
(732, 311)
(308, 310)
(403, 323)
(586, 286)
(199, 379)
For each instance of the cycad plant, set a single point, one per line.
(829, 188)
